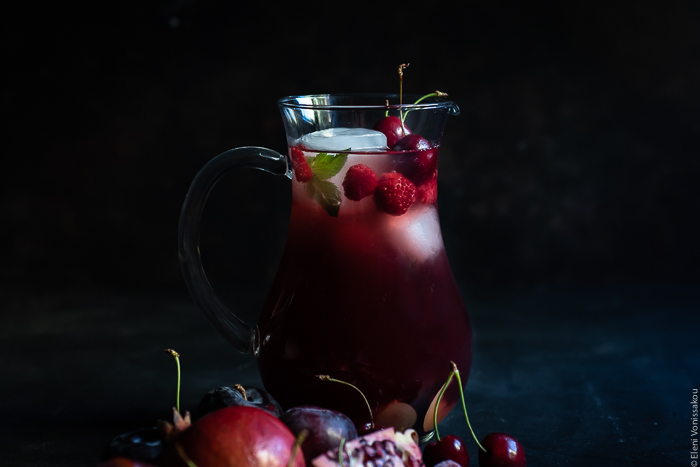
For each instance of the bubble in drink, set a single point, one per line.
(340, 139)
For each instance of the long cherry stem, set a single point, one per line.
(369, 407)
(341, 449)
(183, 455)
(177, 360)
(301, 437)
(402, 67)
(437, 403)
(432, 94)
(464, 405)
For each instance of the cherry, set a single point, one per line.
(449, 447)
(502, 450)
(496, 449)
(412, 142)
(393, 129)
(423, 166)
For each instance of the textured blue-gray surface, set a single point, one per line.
(598, 376)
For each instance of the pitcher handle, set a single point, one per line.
(243, 337)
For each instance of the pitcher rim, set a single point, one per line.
(292, 102)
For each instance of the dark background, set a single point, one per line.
(568, 193)
(573, 159)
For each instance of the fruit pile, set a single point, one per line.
(245, 427)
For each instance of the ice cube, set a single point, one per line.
(417, 232)
(340, 139)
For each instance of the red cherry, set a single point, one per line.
(502, 450)
(449, 447)
(411, 142)
(423, 166)
(392, 129)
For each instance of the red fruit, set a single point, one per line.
(301, 168)
(392, 129)
(449, 447)
(427, 192)
(385, 447)
(411, 142)
(233, 437)
(424, 164)
(394, 193)
(502, 450)
(360, 181)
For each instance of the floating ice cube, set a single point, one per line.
(417, 232)
(340, 139)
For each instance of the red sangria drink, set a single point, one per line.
(364, 293)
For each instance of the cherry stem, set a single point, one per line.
(341, 449)
(177, 360)
(432, 94)
(328, 378)
(241, 390)
(437, 403)
(464, 405)
(301, 437)
(184, 456)
(402, 67)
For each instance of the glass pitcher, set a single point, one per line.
(364, 292)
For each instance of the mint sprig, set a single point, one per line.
(323, 167)
(326, 193)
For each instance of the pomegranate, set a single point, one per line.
(233, 437)
(385, 447)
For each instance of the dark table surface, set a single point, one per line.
(582, 376)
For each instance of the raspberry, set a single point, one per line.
(360, 181)
(302, 171)
(427, 192)
(394, 193)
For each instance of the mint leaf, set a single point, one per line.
(327, 195)
(325, 165)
